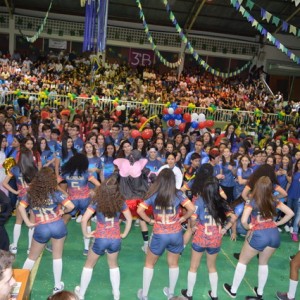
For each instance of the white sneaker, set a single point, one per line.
(13, 249)
(77, 292)
(56, 289)
(137, 223)
(145, 248)
(79, 218)
(287, 228)
(167, 294)
(94, 219)
(140, 295)
(291, 229)
(279, 229)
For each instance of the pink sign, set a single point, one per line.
(141, 57)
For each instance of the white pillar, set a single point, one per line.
(12, 40)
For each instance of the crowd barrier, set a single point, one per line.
(220, 115)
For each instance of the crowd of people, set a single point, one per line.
(63, 73)
(188, 184)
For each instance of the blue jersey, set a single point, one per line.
(294, 190)
(78, 185)
(21, 183)
(94, 162)
(49, 212)
(282, 180)
(78, 144)
(166, 221)
(245, 174)
(108, 166)
(153, 165)
(63, 161)
(108, 228)
(228, 180)
(46, 156)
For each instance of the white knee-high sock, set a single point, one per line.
(173, 277)
(191, 280)
(292, 289)
(28, 264)
(57, 271)
(213, 279)
(86, 241)
(114, 275)
(86, 277)
(239, 274)
(147, 278)
(263, 272)
(30, 235)
(16, 234)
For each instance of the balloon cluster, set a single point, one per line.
(212, 108)
(95, 99)
(72, 96)
(281, 115)
(173, 116)
(258, 113)
(118, 107)
(145, 134)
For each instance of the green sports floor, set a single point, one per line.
(131, 261)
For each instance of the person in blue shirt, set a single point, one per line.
(153, 163)
(243, 173)
(115, 136)
(62, 157)
(198, 149)
(47, 157)
(48, 204)
(107, 162)
(165, 200)
(108, 204)
(74, 131)
(229, 167)
(294, 199)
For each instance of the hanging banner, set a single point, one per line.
(57, 44)
(141, 57)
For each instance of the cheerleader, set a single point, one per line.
(165, 199)
(262, 237)
(75, 173)
(108, 204)
(23, 172)
(47, 204)
(212, 219)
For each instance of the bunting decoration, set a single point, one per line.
(41, 28)
(271, 38)
(153, 44)
(95, 25)
(194, 53)
(265, 15)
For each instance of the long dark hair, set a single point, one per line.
(264, 170)
(121, 153)
(79, 162)
(296, 169)
(204, 173)
(39, 145)
(27, 165)
(215, 204)
(264, 199)
(64, 148)
(135, 145)
(165, 187)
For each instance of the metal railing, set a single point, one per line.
(221, 115)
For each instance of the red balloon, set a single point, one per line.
(165, 111)
(187, 117)
(201, 125)
(171, 123)
(181, 127)
(118, 113)
(135, 133)
(209, 123)
(178, 111)
(147, 134)
(139, 125)
(116, 104)
(143, 120)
